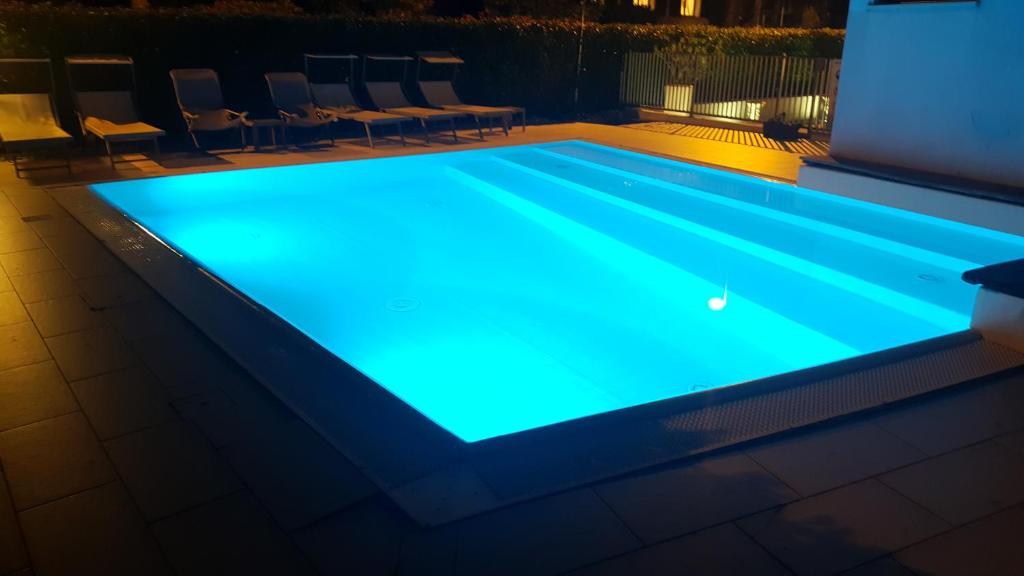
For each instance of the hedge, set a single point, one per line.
(508, 60)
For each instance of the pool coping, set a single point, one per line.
(436, 477)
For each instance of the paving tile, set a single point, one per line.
(825, 457)
(11, 309)
(114, 290)
(5, 284)
(63, 315)
(297, 475)
(90, 352)
(430, 552)
(34, 202)
(44, 285)
(975, 481)
(7, 210)
(364, 539)
(120, 402)
(694, 495)
(29, 262)
(547, 536)
(21, 345)
(18, 241)
(169, 468)
(231, 535)
(32, 393)
(144, 319)
(94, 533)
(57, 226)
(980, 412)
(184, 362)
(884, 566)
(52, 459)
(841, 529)
(988, 547)
(1013, 441)
(224, 422)
(724, 549)
(84, 257)
(12, 549)
(10, 224)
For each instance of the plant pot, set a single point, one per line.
(780, 130)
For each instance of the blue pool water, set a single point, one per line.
(501, 290)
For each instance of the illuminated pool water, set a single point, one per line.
(501, 290)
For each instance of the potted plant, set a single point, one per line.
(779, 128)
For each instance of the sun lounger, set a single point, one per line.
(329, 78)
(291, 95)
(338, 100)
(202, 104)
(441, 93)
(28, 120)
(108, 113)
(388, 97)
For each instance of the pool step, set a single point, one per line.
(939, 236)
(924, 275)
(747, 274)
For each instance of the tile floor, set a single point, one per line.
(129, 444)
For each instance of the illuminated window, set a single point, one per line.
(688, 8)
(642, 3)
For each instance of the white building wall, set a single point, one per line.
(937, 87)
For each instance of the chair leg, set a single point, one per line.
(241, 136)
(479, 130)
(504, 123)
(401, 133)
(523, 113)
(455, 136)
(369, 136)
(17, 169)
(195, 141)
(110, 153)
(426, 133)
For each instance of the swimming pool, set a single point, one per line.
(502, 290)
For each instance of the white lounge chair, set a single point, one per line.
(28, 119)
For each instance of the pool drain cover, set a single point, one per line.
(403, 304)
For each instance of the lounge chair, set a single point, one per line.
(202, 104)
(388, 97)
(441, 93)
(336, 96)
(294, 102)
(108, 114)
(28, 120)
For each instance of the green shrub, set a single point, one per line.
(508, 60)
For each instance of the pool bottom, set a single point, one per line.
(437, 478)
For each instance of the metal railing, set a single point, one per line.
(753, 88)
